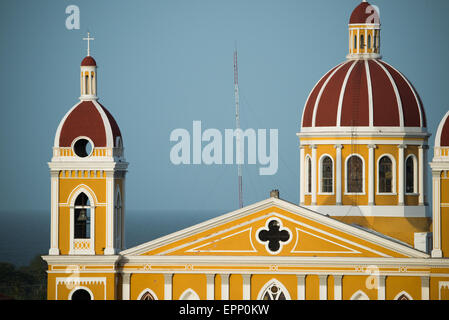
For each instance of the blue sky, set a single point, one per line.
(164, 64)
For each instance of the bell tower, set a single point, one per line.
(88, 171)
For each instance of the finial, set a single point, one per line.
(88, 42)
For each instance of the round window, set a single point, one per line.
(82, 148)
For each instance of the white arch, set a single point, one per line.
(189, 294)
(393, 171)
(74, 195)
(409, 297)
(415, 173)
(320, 173)
(269, 284)
(440, 130)
(81, 288)
(359, 295)
(363, 174)
(147, 290)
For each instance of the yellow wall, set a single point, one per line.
(394, 285)
(183, 281)
(352, 284)
(139, 282)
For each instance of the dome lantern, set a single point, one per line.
(364, 32)
(88, 77)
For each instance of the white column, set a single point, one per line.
(246, 286)
(425, 292)
(371, 174)
(358, 41)
(381, 287)
(224, 286)
(323, 286)
(126, 277)
(168, 283)
(210, 286)
(422, 150)
(302, 176)
(109, 250)
(338, 199)
(301, 286)
(436, 251)
(401, 174)
(54, 223)
(337, 287)
(314, 175)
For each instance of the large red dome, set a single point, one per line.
(363, 93)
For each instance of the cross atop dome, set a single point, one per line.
(88, 39)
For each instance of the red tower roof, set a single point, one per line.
(364, 13)
(88, 61)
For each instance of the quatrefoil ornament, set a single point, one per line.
(274, 236)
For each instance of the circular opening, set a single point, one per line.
(82, 148)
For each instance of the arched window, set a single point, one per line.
(354, 174)
(403, 296)
(82, 217)
(189, 294)
(369, 41)
(81, 294)
(355, 42)
(327, 174)
(86, 83)
(359, 295)
(147, 296)
(273, 290)
(410, 174)
(308, 175)
(362, 42)
(385, 175)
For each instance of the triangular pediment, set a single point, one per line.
(274, 227)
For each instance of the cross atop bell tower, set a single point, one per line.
(88, 39)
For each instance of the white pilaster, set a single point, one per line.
(371, 174)
(323, 286)
(338, 181)
(401, 175)
(54, 223)
(210, 286)
(224, 286)
(168, 284)
(422, 150)
(301, 286)
(109, 250)
(126, 287)
(302, 176)
(436, 216)
(425, 288)
(314, 174)
(381, 287)
(337, 287)
(246, 286)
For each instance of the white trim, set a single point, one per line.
(393, 172)
(342, 93)
(320, 173)
(91, 196)
(224, 286)
(415, 174)
(359, 295)
(61, 124)
(323, 286)
(81, 288)
(107, 125)
(308, 166)
(419, 211)
(149, 291)
(403, 293)
(318, 98)
(440, 130)
(168, 286)
(270, 283)
(370, 94)
(85, 138)
(210, 286)
(189, 294)
(301, 286)
(338, 292)
(281, 228)
(396, 92)
(267, 203)
(246, 288)
(346, 175)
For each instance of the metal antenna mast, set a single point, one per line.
(237, 123)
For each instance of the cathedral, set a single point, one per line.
(363, 229)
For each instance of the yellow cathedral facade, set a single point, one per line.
(363, 229)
